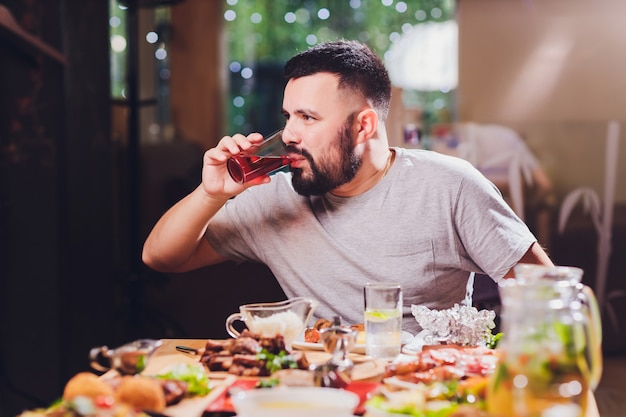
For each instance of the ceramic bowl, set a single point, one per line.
(295, 401)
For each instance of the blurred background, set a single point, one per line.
(107, 106)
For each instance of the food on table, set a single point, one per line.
(312, 334)
(86, 384)
(444, 362)
(86, 394)
(142, 393)
(251, 355)
(450, 373)
(86, 407)
(193, 376)
(414, 402)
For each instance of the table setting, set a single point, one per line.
(456, 366)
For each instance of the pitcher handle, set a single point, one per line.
(595, 371)
(95, 354)
(229, 324)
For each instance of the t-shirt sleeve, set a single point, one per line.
(499, 238)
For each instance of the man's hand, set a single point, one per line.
(216, 181)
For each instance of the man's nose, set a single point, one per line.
(289, 137)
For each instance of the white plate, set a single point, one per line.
(358, 348)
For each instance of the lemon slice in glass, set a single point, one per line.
(381, 315)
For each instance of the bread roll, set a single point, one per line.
(142, 393)
(86, 384)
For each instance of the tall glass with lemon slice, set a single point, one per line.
(383, 320)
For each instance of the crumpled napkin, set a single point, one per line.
(462, 325)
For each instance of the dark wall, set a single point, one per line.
(71, 227)
(56, 207)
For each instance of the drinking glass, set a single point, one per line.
(263, 159)
(383, 320)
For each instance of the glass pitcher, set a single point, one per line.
(550, 353)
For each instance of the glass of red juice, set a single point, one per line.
(269, 156)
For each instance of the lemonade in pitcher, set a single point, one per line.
(550, 352)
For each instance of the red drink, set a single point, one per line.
(244, 168)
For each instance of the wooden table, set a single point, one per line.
(167, 355)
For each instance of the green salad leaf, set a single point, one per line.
(193, 375)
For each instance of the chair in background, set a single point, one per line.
(601, 214)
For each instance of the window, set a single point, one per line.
(263, 34)
(152, 69)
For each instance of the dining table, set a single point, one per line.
(367, 372)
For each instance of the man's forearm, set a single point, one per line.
(177, 237)
(534, 255)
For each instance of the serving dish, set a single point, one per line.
(290, 401)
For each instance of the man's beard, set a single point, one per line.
(329, 174)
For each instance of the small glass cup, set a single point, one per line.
(383, 320)
(269, 156)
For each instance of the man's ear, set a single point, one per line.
(367, 123)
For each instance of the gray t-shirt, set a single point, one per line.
(426, 225)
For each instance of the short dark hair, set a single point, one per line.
(358, 67)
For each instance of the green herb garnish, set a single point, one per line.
(493, 339)
(267, 383)
(275, 362)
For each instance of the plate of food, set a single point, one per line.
(310, 339)
(438, 379)
(85, 393)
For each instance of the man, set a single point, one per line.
(351, 210)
